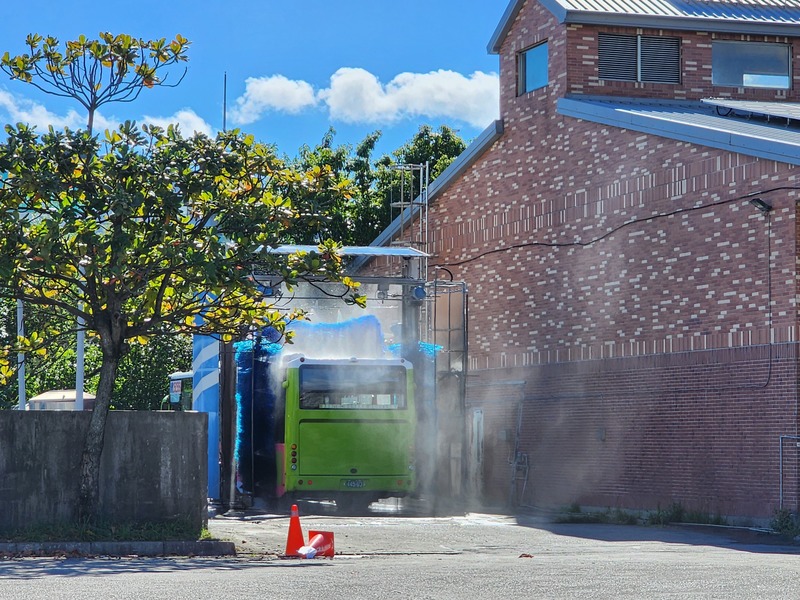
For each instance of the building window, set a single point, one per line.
(532, 69)
(644, 58)
(750, 64)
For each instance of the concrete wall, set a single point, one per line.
(153, 466)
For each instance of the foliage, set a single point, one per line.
(673, 514)
(148, 229)
(145, 231)
(143, 378)
(785, 522)
(439, 148)
(359, 218)
(112, 68)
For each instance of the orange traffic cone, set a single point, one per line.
(294, 541)
(320, 543)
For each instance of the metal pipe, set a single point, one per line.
(780, 465)
(79, 363)
(21, 358)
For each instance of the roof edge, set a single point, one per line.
(585, 108)
(679, 23)
(506, 21)
(580, 17)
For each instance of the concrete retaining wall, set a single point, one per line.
(153, 467)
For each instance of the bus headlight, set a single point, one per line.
(294, 467)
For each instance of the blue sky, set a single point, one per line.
(293, 68)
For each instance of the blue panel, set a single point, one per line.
(205, 364)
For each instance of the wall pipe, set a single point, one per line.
(780, 464)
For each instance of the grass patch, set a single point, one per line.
(177, 530)
(676, 513)
(616, 516)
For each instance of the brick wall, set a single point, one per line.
(698, 428)
(649, 307)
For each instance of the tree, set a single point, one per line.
(146, 231)
(141, 379)
(358, 219)
(437, 148)
(113, 68)
(350, 219)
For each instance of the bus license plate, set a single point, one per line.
(354, 483)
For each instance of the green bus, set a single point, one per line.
(349, 430)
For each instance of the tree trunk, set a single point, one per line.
(95, 436)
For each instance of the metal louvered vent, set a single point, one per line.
(617, 57)
(660, 59)
(639, 58)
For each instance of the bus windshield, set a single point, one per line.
(353, 387)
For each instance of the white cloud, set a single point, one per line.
(101, 123)
(274, 93)
(186, 119)
(24, 110)
(21, 110)
(357, 96)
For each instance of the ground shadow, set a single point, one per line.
(733, 538)
(27, 568)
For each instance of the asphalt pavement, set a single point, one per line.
(391, 552)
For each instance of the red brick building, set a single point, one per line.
(627, 232)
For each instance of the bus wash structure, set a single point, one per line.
(410, 319)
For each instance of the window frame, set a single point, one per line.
(719, 44)
(523, 86)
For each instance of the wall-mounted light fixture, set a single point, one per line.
(761, 205)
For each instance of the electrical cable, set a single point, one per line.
(615, 229)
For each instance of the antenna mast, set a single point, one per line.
(224, 101)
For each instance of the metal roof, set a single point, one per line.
(402, 251)
(780, 110)
(695, 122)
(775, 17)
